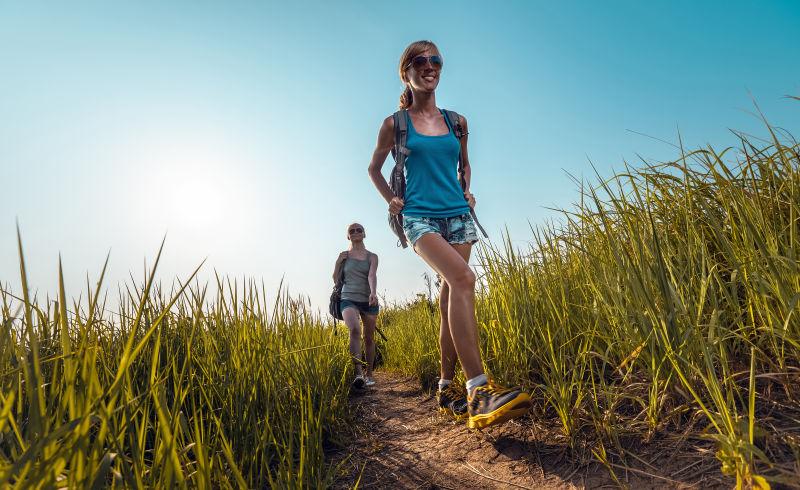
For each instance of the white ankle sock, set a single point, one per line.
(478, 380)
(444, 383)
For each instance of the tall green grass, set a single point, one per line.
(178, 388)
(669, 291)
(413, 345)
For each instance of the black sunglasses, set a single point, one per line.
(355, 230)
(419, 61)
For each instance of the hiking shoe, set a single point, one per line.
(368, 381)
(452, 400)
(359, 382)
(492, 404)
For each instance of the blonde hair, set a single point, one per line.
(347, 233)
(414, 49)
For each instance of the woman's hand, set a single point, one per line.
(470, 197)
(373, 299)
(342, 257)
(396, 205)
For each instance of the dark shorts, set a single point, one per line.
(361, 306)
(458, 229)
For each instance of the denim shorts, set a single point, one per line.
(457, 229)
(361, 306)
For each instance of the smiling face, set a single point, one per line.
(421, 66)
(423, 71)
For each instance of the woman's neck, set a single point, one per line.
(357, 246)
(424, 103)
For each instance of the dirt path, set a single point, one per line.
(402, 442)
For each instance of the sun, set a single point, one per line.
(194, 188)
(197, 200)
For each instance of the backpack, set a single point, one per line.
(397, 179)
(335, 302)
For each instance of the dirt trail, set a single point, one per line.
(402, 442)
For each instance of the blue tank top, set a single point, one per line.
(432, 187)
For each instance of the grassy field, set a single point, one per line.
(663, 304)
(165, 392)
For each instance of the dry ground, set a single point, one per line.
(400, 441)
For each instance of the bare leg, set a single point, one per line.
(448, 350)
(353, 323)
(448, 262)
(369, 340)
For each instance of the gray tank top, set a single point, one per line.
(356, 282)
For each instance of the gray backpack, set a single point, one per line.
(397, 180)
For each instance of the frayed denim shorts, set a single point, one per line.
(361, 306)
(458, 229)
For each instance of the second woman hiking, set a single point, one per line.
(357, 267)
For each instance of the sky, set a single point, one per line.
(242, 131)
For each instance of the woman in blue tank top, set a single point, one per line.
(359, 304)
(438, 224)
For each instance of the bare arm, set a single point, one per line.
(382, 149)
(466, 169)
(337, 268)
(372, 278)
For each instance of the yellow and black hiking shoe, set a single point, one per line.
(492, 404)
(452, 400)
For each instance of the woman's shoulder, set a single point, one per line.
(461, 117)
(460, 122)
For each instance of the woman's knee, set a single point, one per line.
(369, 331)
(355, 330)
(462, 280)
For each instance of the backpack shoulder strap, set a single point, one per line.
(454, 120)
(397, 179)
(400, 133)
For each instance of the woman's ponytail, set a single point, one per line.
(406, 98)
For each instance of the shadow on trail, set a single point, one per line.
(399, 440)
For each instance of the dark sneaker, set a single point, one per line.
(452, 400)
(492, 404)
(359, 382)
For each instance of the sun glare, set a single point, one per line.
(196, 201)
(196, 188)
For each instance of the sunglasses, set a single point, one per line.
(420, 61)
(355, 230)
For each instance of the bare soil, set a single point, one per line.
(399, 440)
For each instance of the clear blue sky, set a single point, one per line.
(243, 130)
